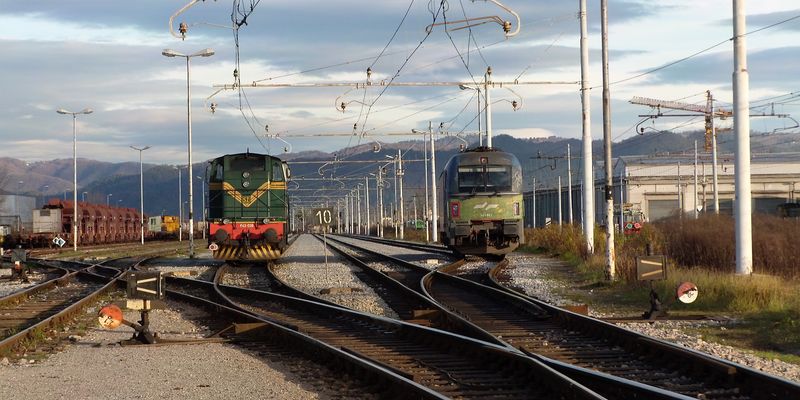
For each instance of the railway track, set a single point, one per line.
(452, 365)
(393, 282)
(550, 333)
(26, 314)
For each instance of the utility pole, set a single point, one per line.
(402, 213)
(488, 78)
(696, 210)
(680, 192)
(569, 184)
(533, 215)
(427, 207)
(559, 201)
(358, 202)
(435, 223)
(586, 145)
(610, 255)
(394, 199)
(366, 202)
(379, 188)
(741, 125)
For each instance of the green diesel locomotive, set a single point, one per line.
(247, 207)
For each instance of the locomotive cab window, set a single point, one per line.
(247, 164)
(492, 178)
(277, 171)
(498, 178)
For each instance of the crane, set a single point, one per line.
(707, 110)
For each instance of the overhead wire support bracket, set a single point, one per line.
(470, 22)
(182, 28)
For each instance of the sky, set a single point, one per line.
(106, 55)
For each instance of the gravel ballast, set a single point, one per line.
(303, 267)
(533, 274)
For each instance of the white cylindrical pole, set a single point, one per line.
(488, 110)
(141, 196)
(394, 200)
(402, 212)
(559, 201)
(427, 207)
(75, 214)
(180, 206)
(696, 210)
(569, 184)
(189, 167)
(435, 221)
(358, 206)
(586, 145)
(534, 203)
(610, 254)
(366, 202)
(741, 126)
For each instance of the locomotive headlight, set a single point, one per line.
(246, 184)
(245, 174)
(516, 208)
(226, 221)
(265, 220)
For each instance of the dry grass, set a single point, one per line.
(709, 242)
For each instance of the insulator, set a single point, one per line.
(235, 73)
(183, 28)
(489, 71)
(342, 106)
(514, 105)
(369, 73)
(266, 128)
(355, 126)
(506, 26)
(213, 107)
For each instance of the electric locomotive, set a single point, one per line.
(247, 206)
(482, 202)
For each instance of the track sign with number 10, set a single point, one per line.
(323, 216)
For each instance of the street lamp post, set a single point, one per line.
(201, 53)
(141, 189)
(108, 199)
(16, 207)
(74, 172)
(203, 184)
(180, 206)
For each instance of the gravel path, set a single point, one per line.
(94, 367)
(303, 267)
(534, 275)
(415, 256)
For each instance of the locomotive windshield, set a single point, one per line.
(247, 164)
(480, 178)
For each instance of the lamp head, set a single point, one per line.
(87, 111)
(203, 53)
(170, 53)
(63, 111)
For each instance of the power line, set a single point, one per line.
(698, 53)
